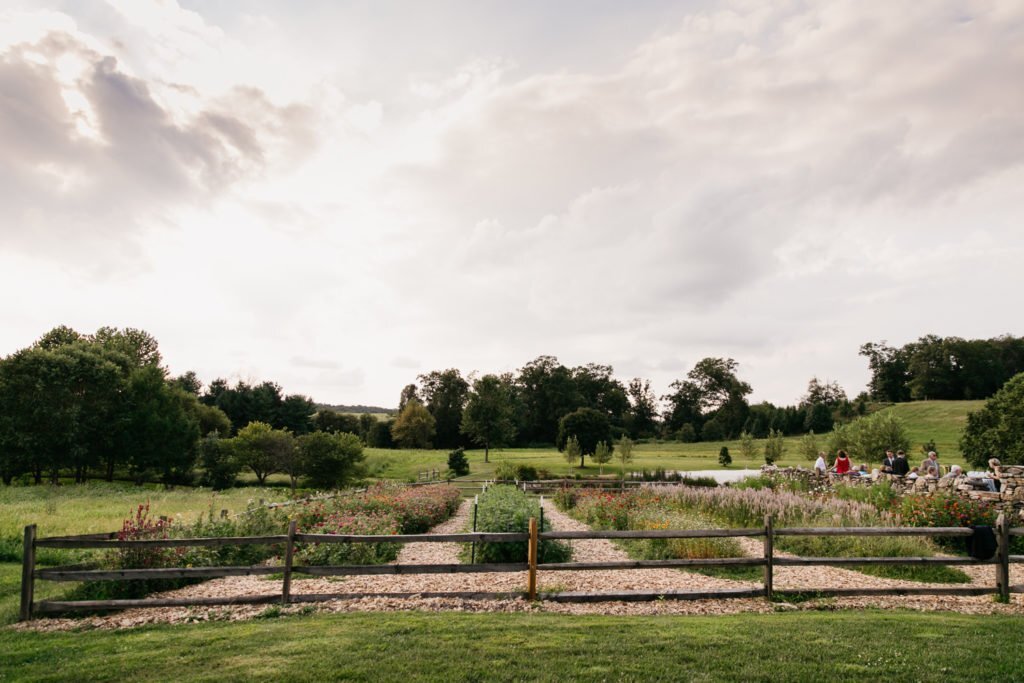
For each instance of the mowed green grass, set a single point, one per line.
(941, 421)
(804, 646)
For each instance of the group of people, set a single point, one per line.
(896, 464)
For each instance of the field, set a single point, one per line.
(419, 646)
(91, 508)
(411, 646)
(941, 421)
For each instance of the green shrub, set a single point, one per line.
(505, 470)
(526, 473)
(506, 509)
(458, 463)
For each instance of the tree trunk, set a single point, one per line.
(487, 452)
(110, 468)
(581, 460)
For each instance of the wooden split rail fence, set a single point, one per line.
(30, 573)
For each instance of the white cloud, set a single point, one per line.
(773, 182)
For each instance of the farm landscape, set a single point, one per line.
(462, 341)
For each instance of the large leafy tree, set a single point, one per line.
(996, 430)
(161, 432)
(711, 391)
(547, 392)
(414, 427)
(444, 394)
(589, 426)
(889, 372)
(643, 409)
(265, 450)
(489, 415)
(596, 388)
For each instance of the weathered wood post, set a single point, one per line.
(1003, 558)
(531, 588)
(472, 551)
(769, 553)
(542, 513)
(28, 573)
(289, 553)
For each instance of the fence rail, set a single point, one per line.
(768, 561)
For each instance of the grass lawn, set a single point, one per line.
(942, 421)
(805, 646)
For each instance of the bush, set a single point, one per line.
(724, 459)
(526, 473)
(220, 467)
(504, 470)
(458, 463)
(331, 461)
(507, 509)
(687, 433)
(352, 553)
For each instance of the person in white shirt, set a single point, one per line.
(820, 466)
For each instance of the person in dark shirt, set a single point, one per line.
(888, 462)
(900, 466)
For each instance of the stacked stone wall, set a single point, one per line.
(1009, 498)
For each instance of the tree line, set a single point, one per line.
(546, 402)
(942, 368)
(102, 405)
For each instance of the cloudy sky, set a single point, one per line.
(338, 196)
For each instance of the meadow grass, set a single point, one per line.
(91, 508)
(941, 421)
(411, 646)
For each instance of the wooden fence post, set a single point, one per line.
(1003, 558)
(289, 552)
(531, 589)
(769, 554)
(28, 573)
(472, 551)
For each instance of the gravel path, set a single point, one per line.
(599, 550)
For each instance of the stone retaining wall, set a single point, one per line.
(1009, 498)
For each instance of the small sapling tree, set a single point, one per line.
(808, 446)
(625, 454)
(602, 455)
(572, 451)
(747, 447)
(724, 459)
(774, 447)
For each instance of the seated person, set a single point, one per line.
(842, 463)
(913, 474)
(820, 466)
(954, 471)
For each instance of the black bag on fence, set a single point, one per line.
(981, 545)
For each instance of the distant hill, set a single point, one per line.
(942, 421)
(373, 410)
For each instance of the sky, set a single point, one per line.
(339, 196)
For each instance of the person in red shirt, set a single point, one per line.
(842, 463)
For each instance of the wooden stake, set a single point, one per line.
(531, 589)
(1003, 558)
(28, 572)
(289, 552)
(769, 555)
